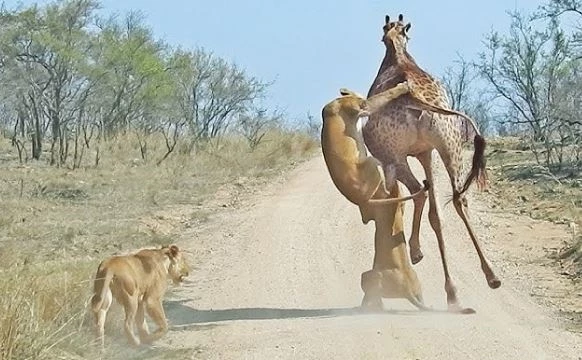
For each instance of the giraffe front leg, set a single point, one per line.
(460, 203)
(416, 254)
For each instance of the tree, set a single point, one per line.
(555, 9)
(76, 79)
(211, 92)
(254, 125)
(44, 49)
(465, 96)
(131, 68)
(528, 70)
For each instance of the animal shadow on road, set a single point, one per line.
(183, 317)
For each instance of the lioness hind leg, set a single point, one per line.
(130, 304)
(101, 315)
(371, 283)
(156, 311)
(371, 178)
(402, 284)
(140, 322)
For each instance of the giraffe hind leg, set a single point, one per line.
(460, 203)
(434, 218)
(452, 162)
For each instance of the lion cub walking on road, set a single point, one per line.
(138, 282)
(355, 174)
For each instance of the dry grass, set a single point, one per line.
(525, 187)
(522, 186)
(39, 307)
(57, 224)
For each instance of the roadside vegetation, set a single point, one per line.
(110, 140)
(525, 90)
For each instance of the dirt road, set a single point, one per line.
(280, 280)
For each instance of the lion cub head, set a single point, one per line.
(178, 269)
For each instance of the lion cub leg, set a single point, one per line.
(100, 316)
(140, 322)
(156, 312)
(130, 304)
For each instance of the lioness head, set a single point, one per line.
(349, 107)
(178, 269)
(396, 32)
(353, 105)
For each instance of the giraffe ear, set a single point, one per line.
(407, 27)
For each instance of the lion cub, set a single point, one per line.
(138, 282)
(355, 174)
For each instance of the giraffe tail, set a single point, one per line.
(478, 172)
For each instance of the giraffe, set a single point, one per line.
(414, 125)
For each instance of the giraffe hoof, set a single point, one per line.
(416, 257)
(494, 282)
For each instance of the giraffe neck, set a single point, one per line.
(404, 59)
(412, 72)
(389, 74)
(402, 56)
(398, 56)
(397, 66)
(389, 59)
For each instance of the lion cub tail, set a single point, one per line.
(100, 287)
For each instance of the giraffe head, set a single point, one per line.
(396, 32)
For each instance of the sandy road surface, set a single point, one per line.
(280, 280)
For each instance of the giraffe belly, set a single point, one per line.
(391, 137)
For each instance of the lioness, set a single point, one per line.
(355, 174)
(138, 282)
(392, 276)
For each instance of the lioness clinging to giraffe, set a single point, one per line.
(355, 174)
(358, 177)
(402, 128)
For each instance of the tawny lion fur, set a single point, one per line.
(392, 275)
(355, 174)
(138, 282)
(358, 177)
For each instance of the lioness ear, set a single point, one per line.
(344, 92)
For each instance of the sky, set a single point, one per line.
(311, 48)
